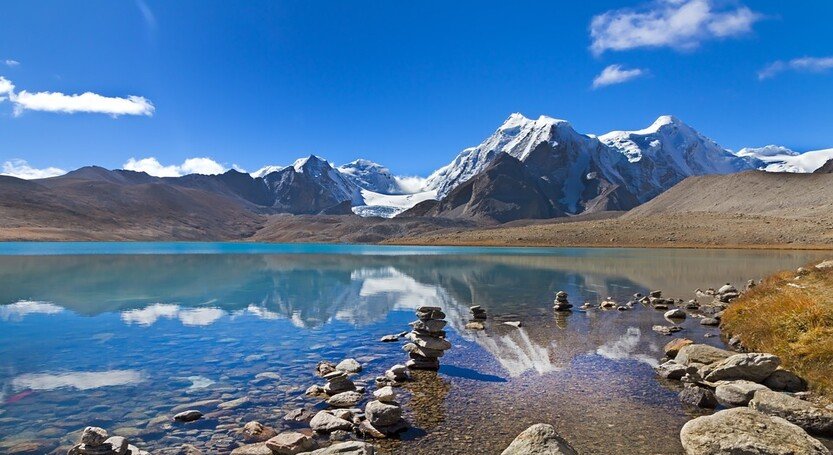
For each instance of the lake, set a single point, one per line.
(120, 335)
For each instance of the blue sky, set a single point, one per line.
(406, 84)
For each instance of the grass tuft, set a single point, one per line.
(792, 318)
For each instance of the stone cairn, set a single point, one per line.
(561, 302)
(427, 338)
(96, 441)
(478, 313)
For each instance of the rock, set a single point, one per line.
(315, 391)
(349, 366)
(291, 443)
(367, 429)
(736, 393)
(385, 394)
(699, 397)
(787, 381)
(258, 448)
(701, 353)
(673, 347)
(539, 439)
(710, 321)
(398, 373)
(188, 449)
(257, 432)
(233, 404)
(345, 414)
(325, 422)
(345, 399)
(381, 414)
(666, 330)
(671, 370)
(298, 415)
(516, 324)
(389, 338)
(751, 367)
(748, 432)
(431, 325)
(429, 341)
(430, 312)
(346, 448)
(324, 368)
(118, 445)
(93, 436)
(813, 419)
(676, 313)
(475, 325)
(188, 416)
(412, 348)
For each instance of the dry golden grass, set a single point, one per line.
(792, 318)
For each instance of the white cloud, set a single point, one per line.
(190, 317)
(11, 63)
(679, 24)
(803, 65)
(410, 184)
(87, 102)
(614, 74)
(22, 170)
(152, 166)
(18, 310)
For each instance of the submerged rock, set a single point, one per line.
(539, 439)
(188, 416)
(258, 448)
(745, 431)
(257, 432)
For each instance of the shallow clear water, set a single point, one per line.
(119, 335)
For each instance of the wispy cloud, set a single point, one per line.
(678, 24)
(153, 167)
(87, 102)
(22, 170)
(147, 14)
(615, 74)
(11, 63)
(802, 65)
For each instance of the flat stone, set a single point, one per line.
(539, 439)
(258, 448)
(298, 415)
(291, 443)
(233, 404)
(428, 342)
(325, 422)
(345, 399)
(204, 404)
(433, 325)
(813, 419)
(745, 431)
(412, 348)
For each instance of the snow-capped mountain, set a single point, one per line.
(371, 176)
(311, 185)
(776, 158)
(617, 170)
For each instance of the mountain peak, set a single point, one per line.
(311, 162)
(518, 121)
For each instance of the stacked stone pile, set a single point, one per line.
(96, 441)
(561, 302)
(427, 338)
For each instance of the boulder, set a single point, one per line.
(345, 399)
(385, 394)
(701, 353)
(745, 431)
(118, 445)
(381, 414)
(673, 347)
(291, 443)
(349, 366)
(539, 439)
(676, 313)
(712, 322)
(753, 366)
(785, 380)
(812, 418)
(699, 397)
(345, 448)
(325, 422)
(736, 393)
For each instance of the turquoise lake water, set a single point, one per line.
(120, 334)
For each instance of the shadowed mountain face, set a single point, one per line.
(504, 191)
(826, 168)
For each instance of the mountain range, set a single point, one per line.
(527, 169)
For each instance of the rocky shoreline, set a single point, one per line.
(754, 391)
